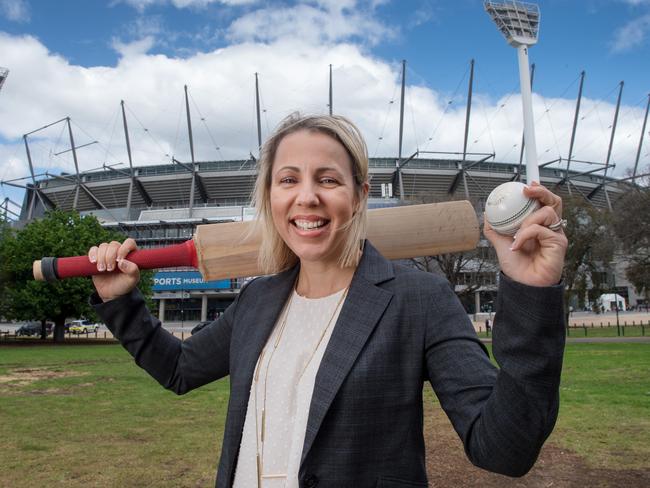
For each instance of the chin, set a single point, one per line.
(317, 253)
(313, 255)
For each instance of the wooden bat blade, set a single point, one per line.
(228, 250)
(423, 230)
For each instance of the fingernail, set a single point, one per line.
(110, 267)
(100, 267)
(93, 259)
(121, 264)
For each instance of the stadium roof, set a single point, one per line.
(228, 183)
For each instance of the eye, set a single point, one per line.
(287, 180)
(328, 180)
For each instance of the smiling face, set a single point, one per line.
(313, 195)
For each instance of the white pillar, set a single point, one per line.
(532, 168)
(204, 308)
(161, 309)
(477, 303)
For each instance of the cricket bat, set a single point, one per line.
(229, 250)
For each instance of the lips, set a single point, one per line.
(307, 223)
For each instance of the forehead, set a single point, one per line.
(310, 147)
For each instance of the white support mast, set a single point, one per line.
(519, 24)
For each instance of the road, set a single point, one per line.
(177, 328)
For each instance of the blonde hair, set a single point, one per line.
(274, 254)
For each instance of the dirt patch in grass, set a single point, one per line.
(26, 376)
(17, 379)
(556, 466)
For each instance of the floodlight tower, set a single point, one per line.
(519, 24)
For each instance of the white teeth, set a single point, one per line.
(306, 224)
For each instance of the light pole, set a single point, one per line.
(618, 324)
(519, 24)
(4, 72)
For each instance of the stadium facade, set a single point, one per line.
(163, 204)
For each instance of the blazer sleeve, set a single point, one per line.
(503, 415)
(177, 365)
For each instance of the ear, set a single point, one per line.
(365, 189)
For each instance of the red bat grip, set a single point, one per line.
(183, 254)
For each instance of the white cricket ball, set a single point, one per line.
(507, 207)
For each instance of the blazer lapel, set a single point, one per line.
(269, 304)
(361, 311)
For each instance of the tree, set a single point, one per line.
(632, 226)
(5, 231)
(591, 249)
(59, 233)
(466, 271)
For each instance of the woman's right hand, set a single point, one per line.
(110, 256)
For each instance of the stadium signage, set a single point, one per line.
(186, 280)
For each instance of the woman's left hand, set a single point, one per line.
(535, 256)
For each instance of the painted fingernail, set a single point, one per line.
(100, 267)
(93, 259)
(109, 268)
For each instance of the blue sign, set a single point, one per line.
(186, 280)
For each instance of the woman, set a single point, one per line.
(327, 358)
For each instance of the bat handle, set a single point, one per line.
(52, 269)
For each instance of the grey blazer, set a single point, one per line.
(398, 328)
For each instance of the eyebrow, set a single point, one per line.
(320, 170)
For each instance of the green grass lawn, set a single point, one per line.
(98, 420)
(605, 404)
(597, 331)
(611, 331)
(103, 422)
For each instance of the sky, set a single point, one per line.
(80, 58)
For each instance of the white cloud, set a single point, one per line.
(14, 164)
(423, 14)
(632, 34)
(636, 3)
(142, 5)
(44, 87)
(15, 10)
(135, 48)
(146, 25)
(327, 21)
(202, 3)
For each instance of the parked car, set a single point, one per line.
(33, 327)
(83, 326)
(199, 326)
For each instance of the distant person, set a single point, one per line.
(327, 357)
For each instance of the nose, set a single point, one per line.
(307, 195)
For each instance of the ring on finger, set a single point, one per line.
(560, 224)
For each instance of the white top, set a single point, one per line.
(288, 394)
